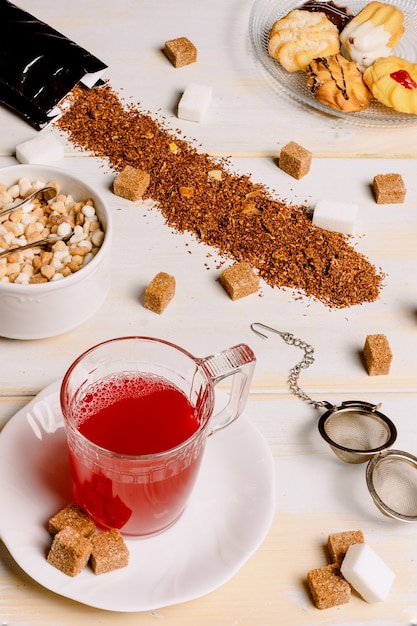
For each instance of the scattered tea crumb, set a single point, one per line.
(241, 219)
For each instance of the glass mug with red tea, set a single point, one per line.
(137, 414)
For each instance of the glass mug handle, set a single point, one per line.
(238, 362)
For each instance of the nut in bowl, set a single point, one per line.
(37, 304)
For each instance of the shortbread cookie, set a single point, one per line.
(372, 33)
(393, 81)
(301, 36)
(338, 83)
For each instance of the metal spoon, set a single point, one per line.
(48, 193)
(49, 241)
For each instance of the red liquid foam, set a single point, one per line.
(134, 414)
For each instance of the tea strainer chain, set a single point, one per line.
(306, 361)
(357, 432)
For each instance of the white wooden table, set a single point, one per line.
(316, 494)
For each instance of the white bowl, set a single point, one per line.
(48, 309)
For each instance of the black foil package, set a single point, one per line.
(39, 66)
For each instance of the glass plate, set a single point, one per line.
(265, 12)
(226, 519)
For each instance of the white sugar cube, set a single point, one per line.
(335, 216)
(44, 149)
(367, 572)
(194, 102)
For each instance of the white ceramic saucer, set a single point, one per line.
(227, 518)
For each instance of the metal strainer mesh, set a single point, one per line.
(392, 482)
(356, 433)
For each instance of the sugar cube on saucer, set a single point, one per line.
(69, 551)
(194, 102)
(74, 517)
(335, 216)
(109, 551)
(364, 569)
(44, 149)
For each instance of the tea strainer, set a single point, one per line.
(358, 432)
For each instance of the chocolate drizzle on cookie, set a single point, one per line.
(340, 84)
(339, 16)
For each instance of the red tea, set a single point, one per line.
(135, 414)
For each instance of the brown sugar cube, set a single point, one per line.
(73, 516)
(69, 551)
(338, 544)
(239, 280)
(295, 160)
(377, 354)
(159, 292)
(109, 551)
(327, 587)
(389, 188)
(180, 51)
(131, 183)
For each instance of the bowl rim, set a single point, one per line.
(67, 281)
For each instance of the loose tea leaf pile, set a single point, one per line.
(199, 194)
